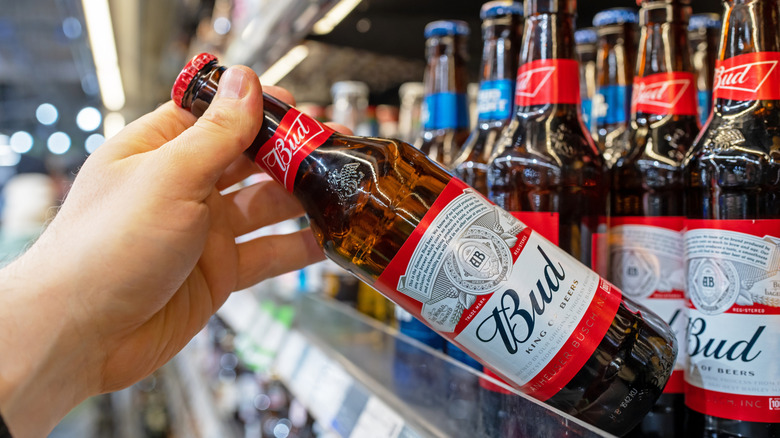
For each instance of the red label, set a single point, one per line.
(752, 76)
(548, 81)
(295, 138)
(733, 286)
(543, 222)
(665, 93)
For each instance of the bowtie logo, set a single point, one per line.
(746, 77)
(664, 94)
(531, 81)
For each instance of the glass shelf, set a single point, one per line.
(363, 378)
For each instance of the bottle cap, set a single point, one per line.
(348, 87)
(446, 27)
(188, 74)
(612, 16)
(411, 89)
(708, 20)
(498, 8)
(585, 36)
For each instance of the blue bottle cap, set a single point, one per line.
(708, 20)
(585, 36)
(612, 16)
(446, 27)
(498, 8)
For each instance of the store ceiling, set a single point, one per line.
(42, 59)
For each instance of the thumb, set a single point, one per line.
(202, 152)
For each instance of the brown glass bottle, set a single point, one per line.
(647, 191)
(546, 169)
(445, 112)
(502, 27)
(615, 64)
(732, 179)
(372, 203)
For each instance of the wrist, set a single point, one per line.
(44, 360)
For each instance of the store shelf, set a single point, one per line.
(362, 378)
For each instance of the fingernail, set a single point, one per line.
(233, 84)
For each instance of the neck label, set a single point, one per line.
(548, 81)
(752, 76)
(295, 138)
(665, 93)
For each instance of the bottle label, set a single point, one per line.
(548, 81)
(475, 273)
(705, 105)
(295, 138)
(445, 111)
(665, 93)
(752, 76)
(611, 104)
(494, 100)
(647, 265)
(733, 284)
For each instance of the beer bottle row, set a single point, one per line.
(688, 209)
(573, 261)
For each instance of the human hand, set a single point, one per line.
(140, 255)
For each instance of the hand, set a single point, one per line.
(140, 255)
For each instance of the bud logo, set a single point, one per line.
(295, 138)
(774, 403)
(665, 93)
(752, 76)
(548, 81)
(531, 81)
(748, 77)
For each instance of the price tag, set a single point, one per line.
(290, 355)
(378, 420)
(308, 375)
(328, 396)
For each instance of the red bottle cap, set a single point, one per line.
(188, 74)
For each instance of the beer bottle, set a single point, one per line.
(647, 189)
(461, 265)
(502, 26)
(704, 35)
(732, 179)
(546, 170)
(615, 64)
(585, 40)
(445, 111)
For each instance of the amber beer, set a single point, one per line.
(732, 254)
(647, 216)
(463, 266)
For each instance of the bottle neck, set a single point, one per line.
(615, 55)
(203, 88)
(750, 26)
(663, 40)
(549, 73)
(747, 70)
(500, 53)
(446, 69)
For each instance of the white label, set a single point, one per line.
(646, 259)
(377, 420)
(734, 354)
(727, 268)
